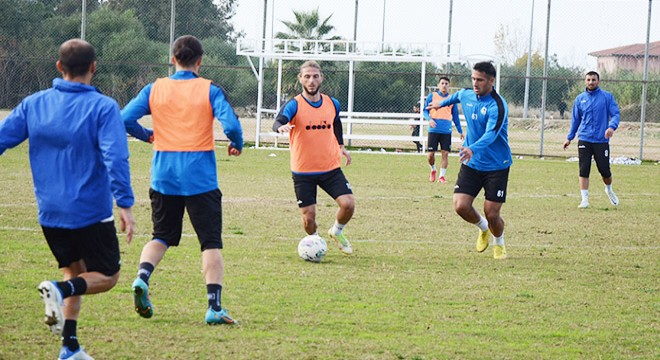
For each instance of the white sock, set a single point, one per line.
(433, 167)
(482, 224)
(585, 195)
(608, 188)
(498, 240)
(338, 228)
(443, 172)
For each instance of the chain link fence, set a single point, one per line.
(132, 41)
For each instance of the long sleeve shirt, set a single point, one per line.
(594, 112)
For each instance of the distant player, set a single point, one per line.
(595, 117)
(485, 156)
(317, 144)
(79, 160)
(439, 137)
(184, 169)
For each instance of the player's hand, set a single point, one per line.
(232, 151)
(346, 154)
(609, 132)
(127, 223)
(566, 143)
(285, 128)
(433, 106)
(432, 123)
(462, 137)
(465, 154)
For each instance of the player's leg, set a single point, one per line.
(167, 218)
(585, 152)
(468, 185)
(445, 147)
(305, 187)
(433, 140)
(337, 186)
(205, 212)
(602, 159)
(495, 185)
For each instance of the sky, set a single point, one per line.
(577, 27)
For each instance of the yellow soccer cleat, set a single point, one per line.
(499, 252)
(342, 242)
(482, 240)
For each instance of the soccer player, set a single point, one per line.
(79, 160)
(183, 170)
(595, 117)
(439, 130)
(317, 144)
(485, 156)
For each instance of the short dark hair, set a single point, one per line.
(76, 57)
(444, 78)
(593, 73)
(187, 50)
(485, 67)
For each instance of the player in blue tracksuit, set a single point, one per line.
(485, 156)
(440, 128)
(79, 159)
(595, 117)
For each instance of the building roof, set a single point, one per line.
(636, 50)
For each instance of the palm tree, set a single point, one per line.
(307, 26)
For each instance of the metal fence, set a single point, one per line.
(132, 41)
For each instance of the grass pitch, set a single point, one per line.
(577, 284)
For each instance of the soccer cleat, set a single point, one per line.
(482, 240)
(141, 298)
(499, 252)
(53, 302)
(342, 242)
(80, 354)
(219, 317)
(583, 204)
(613, 199)
(432, 176)
(442, 179)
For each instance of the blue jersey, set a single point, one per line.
(487, 120)
(442, 125)
(78, 153)
(169, 169)
(594, 112)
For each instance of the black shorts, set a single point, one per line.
(204, 210)
(443, 139)
(333, 182)
(600, 153)
(96, 245)
(471, 181)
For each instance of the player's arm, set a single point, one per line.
(614, 116)
(13, 129)
(114, 150)
(224, 112)
(457, 120)
(339, 132)
(134, 111)
(288, 111)
(427, 102)
(453, 99)
(576, 117)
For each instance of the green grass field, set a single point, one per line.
(577, 283)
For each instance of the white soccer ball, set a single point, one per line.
(312, 248)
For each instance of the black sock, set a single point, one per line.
(69, 338)
(145, 271)
(214, 292)
(72, 287)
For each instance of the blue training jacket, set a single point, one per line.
(593, 112)
(487, 120)
(78, 153)
(170, 170)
